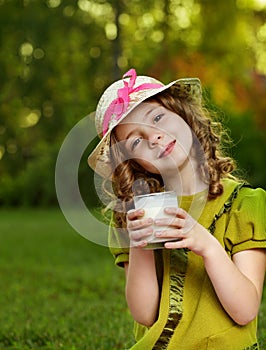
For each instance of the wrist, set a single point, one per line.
(139, 253)
(212, 250)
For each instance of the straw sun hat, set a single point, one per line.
(119, 99)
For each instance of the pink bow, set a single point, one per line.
(119, 106)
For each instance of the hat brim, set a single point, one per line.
(99, 159)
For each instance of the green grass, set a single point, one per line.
(60, 291)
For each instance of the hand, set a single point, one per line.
(187, 231)
(138, 227)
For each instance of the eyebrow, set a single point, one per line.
(143, 118)
(130, 133)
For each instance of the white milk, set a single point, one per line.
(157, 213)
(153, 205)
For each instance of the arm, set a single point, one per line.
(238, 282)
(142, 290)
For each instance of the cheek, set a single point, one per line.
(186, 139)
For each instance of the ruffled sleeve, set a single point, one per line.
(247, 221)
(118, 244)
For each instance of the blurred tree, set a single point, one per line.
(50, 74)
(57, 57)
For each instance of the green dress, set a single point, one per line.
(190, 314)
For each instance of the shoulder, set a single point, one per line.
(243, 192)
(248, 203)
(250, 199)
(247, 220)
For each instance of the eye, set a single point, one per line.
(158, 118)
(135, 143)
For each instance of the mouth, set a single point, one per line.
(168, 149)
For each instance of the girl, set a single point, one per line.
(203, 289)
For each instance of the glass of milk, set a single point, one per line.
(153, 205)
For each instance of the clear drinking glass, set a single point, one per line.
(153, 205)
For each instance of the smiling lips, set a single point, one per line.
(168, 149)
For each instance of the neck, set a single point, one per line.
(186, 181)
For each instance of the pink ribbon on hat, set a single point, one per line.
(119, 106)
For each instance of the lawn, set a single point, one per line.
(60, 291)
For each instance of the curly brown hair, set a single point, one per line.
(213, 165)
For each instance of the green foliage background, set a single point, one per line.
(58, 55)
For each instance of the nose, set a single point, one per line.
(155, 138)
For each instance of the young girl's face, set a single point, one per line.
(155, 137)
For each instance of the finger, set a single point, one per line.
(177, 233)
(140, 234)
(137, 224)
(176, 244)
(140, 244)
(173, 221)
(134, 214)
(176, 211)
